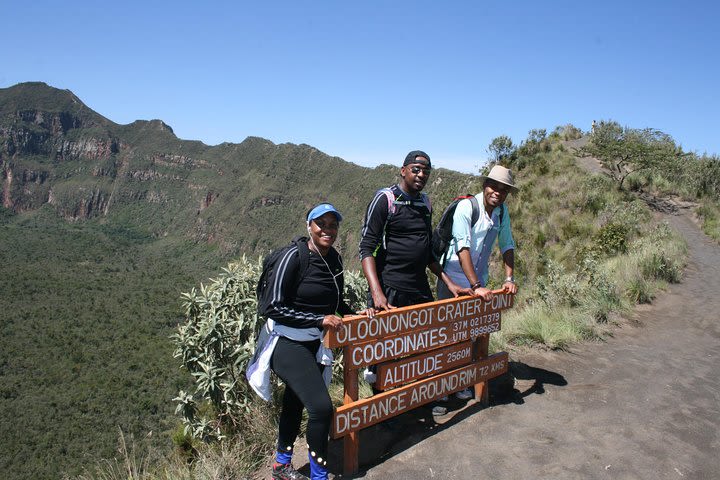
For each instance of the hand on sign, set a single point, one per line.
(484, 293)
(463, 292)
(380, 302)
(332, 322)
(459, 291)
(510, 287)
(368, 312)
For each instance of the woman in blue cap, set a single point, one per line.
(298, 314)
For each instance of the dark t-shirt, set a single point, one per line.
(402, 260)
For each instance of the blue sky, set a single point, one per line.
(369, 81)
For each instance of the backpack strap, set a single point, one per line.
(501, 214)
(475, 210)
(303, 259)
(390, 197)
(474, 217)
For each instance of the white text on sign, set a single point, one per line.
(363, 413)
(381, 350)
(398, 321)
(398, 372)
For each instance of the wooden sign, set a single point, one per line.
(398, 372)
(357, 415)
(425, 316)
(384, 349)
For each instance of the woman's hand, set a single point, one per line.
(461, 291)
(332, 322)
(456, 289)
(368, 312)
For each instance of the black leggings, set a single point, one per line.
(294, 362)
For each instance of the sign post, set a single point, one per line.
(422, 352)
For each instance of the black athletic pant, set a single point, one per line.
(397, 298)
(294, 362)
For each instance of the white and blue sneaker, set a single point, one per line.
(466, 394)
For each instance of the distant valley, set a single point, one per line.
(101, 227)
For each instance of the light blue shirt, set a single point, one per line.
(479, 239)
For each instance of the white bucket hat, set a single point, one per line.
(502, 175)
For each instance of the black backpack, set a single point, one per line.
(442, 235)
(267, 277)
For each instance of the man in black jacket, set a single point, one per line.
(395, 240)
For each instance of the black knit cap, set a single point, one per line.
(410, 158)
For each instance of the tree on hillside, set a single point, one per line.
(501, 148)
(624, 150)
(535, 143)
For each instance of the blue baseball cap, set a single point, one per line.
(321, 210)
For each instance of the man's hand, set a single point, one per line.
(510, 287)
(380, 302)
(484, 293)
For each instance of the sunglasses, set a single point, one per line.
(498, 187)
(416, 170)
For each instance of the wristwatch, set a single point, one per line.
(510, 279)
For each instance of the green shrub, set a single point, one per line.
(639, 290)
(566, 132)
(709, 213)
(659, 265)
(594, 192)
(660, 255)
(601, 295)
(216, 342)
(557, 287)
(611, 239)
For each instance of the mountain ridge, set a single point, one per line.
(55, 150)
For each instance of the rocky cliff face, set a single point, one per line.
(55, 150)
(33, 147)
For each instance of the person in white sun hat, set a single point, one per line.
(467, 258)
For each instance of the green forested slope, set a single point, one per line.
(101, 227)
(86, 313)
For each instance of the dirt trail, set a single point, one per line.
(643, 405)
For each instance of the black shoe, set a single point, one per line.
(285, 471)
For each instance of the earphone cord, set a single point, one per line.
(337, 287)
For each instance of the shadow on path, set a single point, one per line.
(537, 379)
